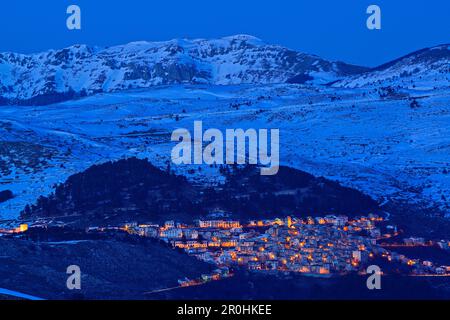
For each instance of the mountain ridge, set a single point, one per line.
(428, 66)
(80, 70)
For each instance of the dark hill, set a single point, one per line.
(135, 190)
(124, 190)
(290, 191)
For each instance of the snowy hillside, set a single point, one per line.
(426, 68)
(383, 146)
(59, 75)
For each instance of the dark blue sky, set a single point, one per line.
(334, 29)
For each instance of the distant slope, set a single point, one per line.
(134, 190)
(59, 75)
(426, 67)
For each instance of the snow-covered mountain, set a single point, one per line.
(81, 70)
(429, 67)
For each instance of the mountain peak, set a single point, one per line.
(244, 37)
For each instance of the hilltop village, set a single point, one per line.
(321, 246)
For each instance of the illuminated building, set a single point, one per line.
(219, 224)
